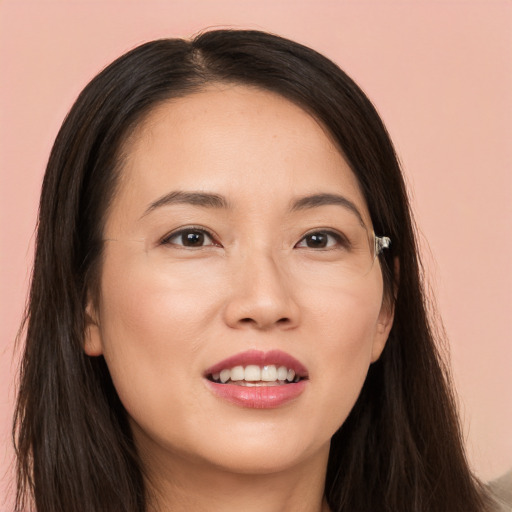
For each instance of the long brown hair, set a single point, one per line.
(400, 448)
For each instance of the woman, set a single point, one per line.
(226, 308)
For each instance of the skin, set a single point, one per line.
(167, 312)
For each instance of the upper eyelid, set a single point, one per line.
(328, 231)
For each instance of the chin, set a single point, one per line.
(247, 447)
(261, 457)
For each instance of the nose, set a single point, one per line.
(261, 296)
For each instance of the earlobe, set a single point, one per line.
(92, 335)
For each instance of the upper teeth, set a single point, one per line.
(253, 373)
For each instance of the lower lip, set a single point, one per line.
(258, 397)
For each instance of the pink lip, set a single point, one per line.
(275, 357)
(258, 397)
(263, 397)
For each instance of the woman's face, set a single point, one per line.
(232, 248)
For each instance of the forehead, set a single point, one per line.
(251, 145)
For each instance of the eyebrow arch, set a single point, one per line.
(203, 199)
(317, 200)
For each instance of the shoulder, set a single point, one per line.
(501, 489)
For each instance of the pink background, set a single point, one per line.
(440, 74)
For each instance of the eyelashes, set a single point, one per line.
(323, 239)
(191, 237)
(195, 237)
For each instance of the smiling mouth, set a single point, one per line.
(258, 380)
(256, 376)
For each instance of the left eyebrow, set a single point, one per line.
(325, 199)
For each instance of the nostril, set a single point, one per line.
(280, 321)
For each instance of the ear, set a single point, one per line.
(92, 336)
(386, 317)
(384, 324)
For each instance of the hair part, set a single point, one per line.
(400, 449)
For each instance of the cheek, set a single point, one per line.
(345, 325)
(347, 315)
(152, 308)
(152, 325)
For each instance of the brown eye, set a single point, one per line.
(316, 240)
(321, 240)
(189, 238)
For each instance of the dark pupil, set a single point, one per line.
(193, 238)
(317, 240)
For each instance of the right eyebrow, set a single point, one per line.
(203, 199)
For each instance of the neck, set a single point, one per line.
(178, 485)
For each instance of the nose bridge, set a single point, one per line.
(261, 293)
